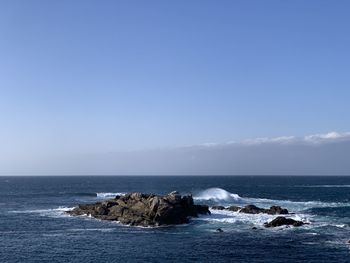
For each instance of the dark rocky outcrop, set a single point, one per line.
(234, 208)
(276, 210)
(218, 207)
(144, 209)
(252, 209)
(273, 210)
(283, 221)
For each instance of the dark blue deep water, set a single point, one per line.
(34, 227)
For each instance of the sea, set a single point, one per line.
(35, 228)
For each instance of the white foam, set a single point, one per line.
(108, 195)
(235, 217)
(217, 194)
(54, 212)
(295, 206)
(224, 216)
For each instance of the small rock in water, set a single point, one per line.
(234, 208)
(273, 210)
(219, 230)
(254, 228)
(276, 210)
(283, 221)
(252, 209)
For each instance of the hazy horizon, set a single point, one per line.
(318, 154)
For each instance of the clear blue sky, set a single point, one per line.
(102, 76)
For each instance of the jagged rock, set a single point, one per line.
(219, 230)
(218, 207)
(234, 208)
(273, 210)
(144, 209)
(276, 210)
(283, 221)
(252, 209)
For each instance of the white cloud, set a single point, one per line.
(327, 137)
(287, 140)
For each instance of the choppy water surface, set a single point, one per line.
(34, 227)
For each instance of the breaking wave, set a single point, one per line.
(223, 197)
(217, 194)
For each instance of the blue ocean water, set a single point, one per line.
(34, 227)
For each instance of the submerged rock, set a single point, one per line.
(144, 209)
(283, 221)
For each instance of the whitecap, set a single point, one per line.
(53, 212)
(108, 195)
(341, 225)
(91, 229)
(312, 234)
(325, 185)
(53, 235)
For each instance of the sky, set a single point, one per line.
(124, 87)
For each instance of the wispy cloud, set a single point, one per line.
(280, 140)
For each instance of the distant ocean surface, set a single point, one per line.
(34, 227)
